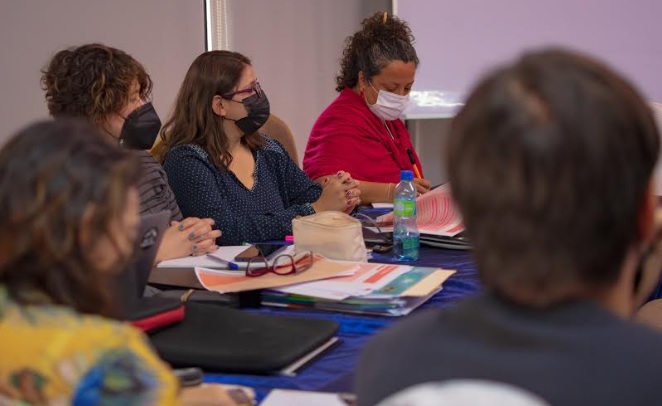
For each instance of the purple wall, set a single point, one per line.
(457, 40)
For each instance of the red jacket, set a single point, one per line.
(348, 136)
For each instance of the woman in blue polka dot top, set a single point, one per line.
(219, 166)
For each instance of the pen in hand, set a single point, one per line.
(410, 153)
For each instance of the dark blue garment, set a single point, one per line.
(281, 192)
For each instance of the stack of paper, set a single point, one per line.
(436, 214)
(353, 287)
(380, 289)
(179, 272)
(226, 281)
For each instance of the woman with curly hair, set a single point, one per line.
(361, 131)
(110, 89)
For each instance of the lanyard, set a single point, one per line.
(395, 144)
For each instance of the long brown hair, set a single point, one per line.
(51, 173)
(214, 73)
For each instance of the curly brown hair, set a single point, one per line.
(213, 73)
(383, 38)
(51, 174)
(92, 81)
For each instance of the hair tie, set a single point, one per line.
(385, 16)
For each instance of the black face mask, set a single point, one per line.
(140, 128)
(258, 113)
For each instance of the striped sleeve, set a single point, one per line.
(155, 193)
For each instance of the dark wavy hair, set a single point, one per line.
(550, 161)
(213, 73)
(92, 81)
(383, 38)
(51, 174)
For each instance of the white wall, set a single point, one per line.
(459, 40)
(164, 35)
(295, 47)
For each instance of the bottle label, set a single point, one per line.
(410, 244)
(404, 208)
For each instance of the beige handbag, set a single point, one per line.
(332, 234)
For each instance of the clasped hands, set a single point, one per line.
(339, 192)
(191, 236)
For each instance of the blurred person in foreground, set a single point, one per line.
(69, 221)
(550, 164)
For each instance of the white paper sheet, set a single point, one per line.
(383, 206)
(282, 397)
(215, 260)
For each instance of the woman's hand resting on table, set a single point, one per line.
(191, 236)
(339, 192)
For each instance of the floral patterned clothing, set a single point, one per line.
(51, 355)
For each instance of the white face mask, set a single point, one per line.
(389, 106)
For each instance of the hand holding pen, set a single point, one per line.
(422, 185)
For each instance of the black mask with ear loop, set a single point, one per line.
(258, 109)
(141, 127)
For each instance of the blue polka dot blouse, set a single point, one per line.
(281, 192)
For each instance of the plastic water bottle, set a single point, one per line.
(406, 244)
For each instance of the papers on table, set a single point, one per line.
(219, 259)
(436, 214)
(364, 279)
(180, 272)
(383, 289)
(366, 288)
(284, 397)
(222, 258)
(236, 281)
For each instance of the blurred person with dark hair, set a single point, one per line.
(550, 163)
(110, 89)
(69, 220)
(220, 166)
(362, 131)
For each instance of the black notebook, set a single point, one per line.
(221, 339)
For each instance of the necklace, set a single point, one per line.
(388, 130)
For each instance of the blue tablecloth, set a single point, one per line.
(333, 370)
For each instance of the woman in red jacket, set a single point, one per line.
(361, 132)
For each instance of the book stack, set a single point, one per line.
(375, 289)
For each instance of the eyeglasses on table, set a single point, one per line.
(284, 264)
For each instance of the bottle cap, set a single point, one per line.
(406, 175)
